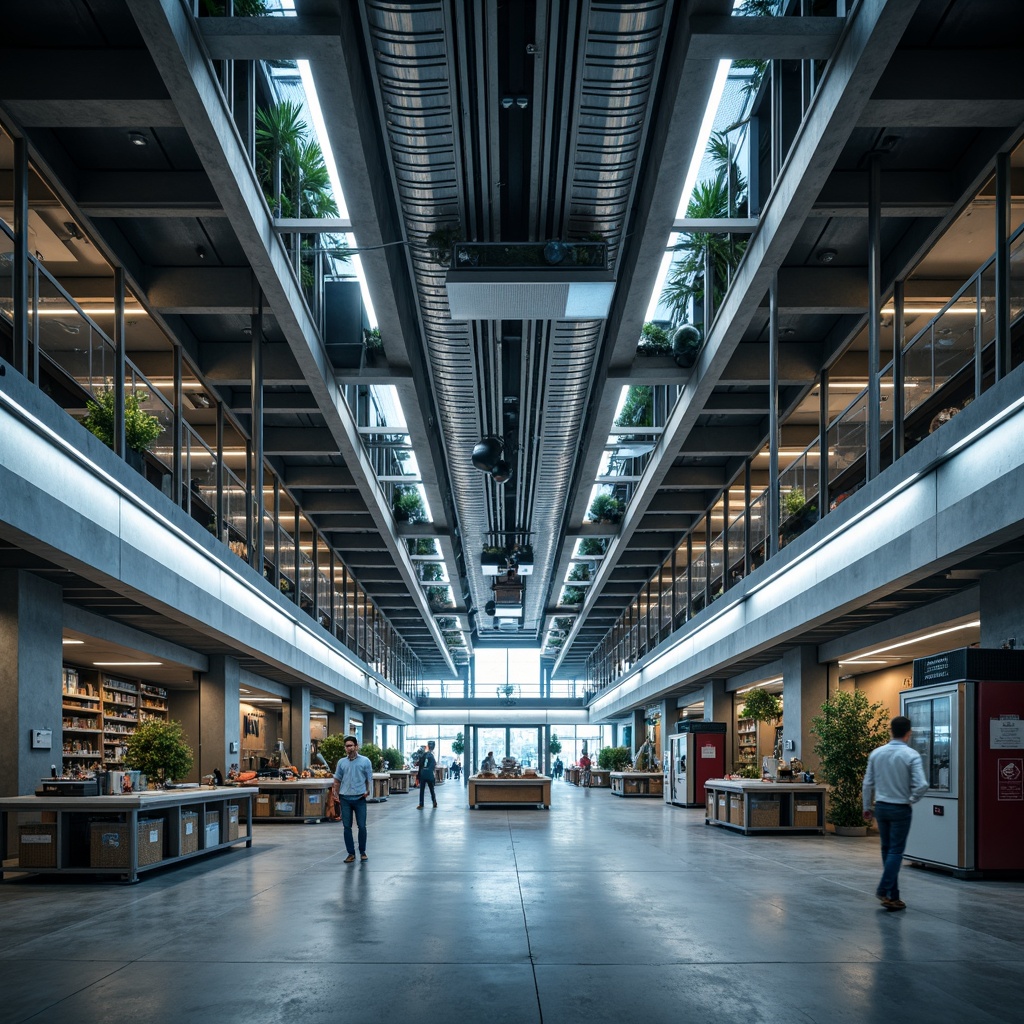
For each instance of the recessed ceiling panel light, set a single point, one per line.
(138, 139)
(124, 664)
(72, 641)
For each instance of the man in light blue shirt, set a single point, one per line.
(894, 781)
(353, 781)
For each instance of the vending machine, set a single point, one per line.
(695, 754)
(966, 710)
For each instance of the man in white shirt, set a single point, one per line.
(353, 781)
(894, 781)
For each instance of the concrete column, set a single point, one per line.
(639, 732)
(804, 690)
(1001, 602)
(31, 621)
(669, 721)
(211, 718)
(369, 727)
(717, 703)
(295, 727)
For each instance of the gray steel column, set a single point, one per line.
(747, 559)
(725, 540)
(255, 509)
(898, 391)
(823, 500)
(316, 574)
(120, 445)
(707, 558)
(874, 438)
(295, 537)
(219, 511)
(19, 284)
(1002, 268)
(771, 541)
(178, 430)
(277, 531)
(689, 575)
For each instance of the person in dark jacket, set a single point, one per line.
(427, 765)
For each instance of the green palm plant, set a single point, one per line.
(724, 195)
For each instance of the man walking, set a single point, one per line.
(427, 766)
(894, 780)
(353, 781)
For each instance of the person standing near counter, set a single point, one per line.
(894, 781)
(427, 765)
(353, 782)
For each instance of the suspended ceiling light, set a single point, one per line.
(487, 454)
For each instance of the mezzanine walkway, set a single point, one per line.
(602, 909)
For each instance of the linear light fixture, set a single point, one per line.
(125, 664)
(932, 310)
(914, 640)
(66, 642)
(91, 311)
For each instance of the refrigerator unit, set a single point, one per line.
(695, 754)
(967, 714)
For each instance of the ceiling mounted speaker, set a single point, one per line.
(490, 608)
(502, 472)
(487, 454)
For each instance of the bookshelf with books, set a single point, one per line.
(81, 723)
(152, 703)
(120, 717)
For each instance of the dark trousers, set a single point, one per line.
(348, 805)
(894, 827)
(427, 782)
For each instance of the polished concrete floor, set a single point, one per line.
(602, 909)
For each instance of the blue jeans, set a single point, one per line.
(894, 827)
(348, 805)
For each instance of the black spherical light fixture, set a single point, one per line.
(501, 472)
(487, 454)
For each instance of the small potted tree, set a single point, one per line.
(606, 508)
(158, 750)
(848, 729)
(141, 429)
(762, 707)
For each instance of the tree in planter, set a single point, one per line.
(554, 745)
(606, 508)
(158, 750)
(394, 759)
(141, 429)
(848, 729)
(458, 744)
(332, 749)
(793, 502)
(761, 706)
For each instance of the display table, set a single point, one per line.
(525, 792)
(294, 800)
(400, 781)
(600, 778)
(572, 776)
(440, 774)
(749, 806)
(381, 787)
(122, 835)
(637, 783)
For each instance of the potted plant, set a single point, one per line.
(606, 508)
(848, 729)
(572, 595)
(493, 561)
(653, 340)
(158, 750)
(458, 744)
(554, 745)
(141, 429)
(394, 759)
(407, 505)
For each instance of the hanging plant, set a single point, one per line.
(762, 706)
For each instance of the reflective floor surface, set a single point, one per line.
(603, 909)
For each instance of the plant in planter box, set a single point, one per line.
(615, 759)
(848, 729)
(572, 595)
(653, 340)
(141, 429)
(592, 546)
(332, 749)
(158, 750)
(407, 505)
(375, 754)
(606, 508)
(394, 759)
